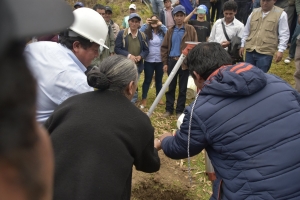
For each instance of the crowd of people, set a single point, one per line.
(69, 124)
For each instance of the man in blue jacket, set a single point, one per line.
(132, 43)
(247, 121)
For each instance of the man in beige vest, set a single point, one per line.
(266, 32)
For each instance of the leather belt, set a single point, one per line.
(174, 57)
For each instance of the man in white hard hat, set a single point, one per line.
(26, 157)
(59, 67)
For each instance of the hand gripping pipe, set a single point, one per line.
(190, 46)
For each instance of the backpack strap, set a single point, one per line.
(144, 38)
(124, 35)
(225, 33)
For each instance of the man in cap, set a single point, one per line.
(78, 5)
(172, 46)
(115, 27)
(133, 44)
(26, 157)
(201, 26)
(59, 67)
(132, 9)
(248, 123)
(110, 39)
(266, 33)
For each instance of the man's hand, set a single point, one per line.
(195, 11)
(241, 52)
(165, 68)
(163, 136)
(132, 57)
(225, 44)
(278, 56)
(138, 58)
(157, 144)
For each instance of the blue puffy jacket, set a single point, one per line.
(248, 122)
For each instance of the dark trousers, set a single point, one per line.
(170, 95)
(149, 68)
(243, 11)
(215, 12)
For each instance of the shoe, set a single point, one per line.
(178, 115)
(143, 103)
(167, 114)
(287, 60)
(161, 102)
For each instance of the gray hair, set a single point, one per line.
(114, 74)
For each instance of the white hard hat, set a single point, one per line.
(91, 25)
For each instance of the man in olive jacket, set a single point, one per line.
(172, 46)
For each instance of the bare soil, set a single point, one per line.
(171, 182)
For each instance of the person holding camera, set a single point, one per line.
(155, 32)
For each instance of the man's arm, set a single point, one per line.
(283, 36)
(176, 146)
(112, 41)
(246, 33)
(164, 48)
(187, 18)
(213, 33)
(145, 50)
(119, 45)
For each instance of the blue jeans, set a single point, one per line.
(136, 94)
(292, 49)
(261, 61)
(149, 69)
(157, 6)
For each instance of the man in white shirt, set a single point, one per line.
(59, 67)
(266, 32)
(233, 26)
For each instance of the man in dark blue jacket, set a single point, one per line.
(247, 121)
(133, 44)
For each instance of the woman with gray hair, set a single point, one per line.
(98, 136)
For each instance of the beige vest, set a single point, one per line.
(263, 36)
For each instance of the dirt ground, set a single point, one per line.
(171, 182)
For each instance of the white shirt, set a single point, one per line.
(235, 28)
(283, 31)
(59, 75)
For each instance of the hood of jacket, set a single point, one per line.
(242, 79)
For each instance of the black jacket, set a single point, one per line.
(97, 137)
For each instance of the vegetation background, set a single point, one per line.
(172, 181)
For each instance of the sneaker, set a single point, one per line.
(178, 115)
(143, 103)
(287, 60)
(167, 114)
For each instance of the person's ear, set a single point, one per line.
(198, 80)
(131, 88)
(129, 91)
(76, 46)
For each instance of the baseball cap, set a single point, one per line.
(202, 9)
(107, 8)
(178, 8)
(78, 4)
(34, 19)
(133, 6)
(134, 15)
